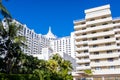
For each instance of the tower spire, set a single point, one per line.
(49, 29)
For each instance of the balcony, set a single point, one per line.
(106, 72)
(100, 34)
(100, 27)
(117, 30)
(83, 61)
(83, 68)
(99, 21)
(109, 40)
(103, 48)
(77, 27)
(103, 56)
(82, 48)
(81, 37)
(82, 54)
(81, 42)
(104, 63)
(116, 24)
(117, 35)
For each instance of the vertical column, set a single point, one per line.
(74, 78)
(102, 77)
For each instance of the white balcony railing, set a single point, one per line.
(103, 48)
(109, 40)
(83, 61)
(106, 71)
(103, 56)
(82, 54)
(99, 21)
(83, 68)
(104, 63)
(100, 34)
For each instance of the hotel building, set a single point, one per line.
(97, 45)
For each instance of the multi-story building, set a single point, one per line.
(35, 42)
(97, 45)
(60, 44)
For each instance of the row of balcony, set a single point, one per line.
(104, 63)
(100, 64)
(95, 49)
(109, 40)
(99, 21)
(99, 56)
(101, 27)
(100, 34)
(106, 71)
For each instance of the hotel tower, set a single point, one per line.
(97, 45)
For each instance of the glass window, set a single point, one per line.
(86, 51)
(93, 25)
(94, 38)
(108, 44)
(110, 59)
(97, 68)
(96, 53)
(95, 45)
(112, 67)
(106, 37)
(97, 60)
(110, 51)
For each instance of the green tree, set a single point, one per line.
(10, 42)
(63, 70)
(10, 45)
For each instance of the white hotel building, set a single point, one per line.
(97, 45)
(42, 46)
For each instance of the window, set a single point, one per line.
(93, 32)
(87, 64)
(119, 50)
(84, 39)
(108, 44)
(96, 53)
(97, 60)
(86, 58)
(106, 30)
(84, 34)
(85, 45)
(104, 23)
(97, 68)
(86, 51)
(95, 45)
(92, 19)
(110, 51)
(92, 26)
(94, 38)
(83, 28)
(83, 23)
(106, 37)
(118, 44)
(103, 17)
(112, 67)
(110, 59)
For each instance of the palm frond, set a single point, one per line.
(4, 11)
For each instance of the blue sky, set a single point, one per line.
(59, 14)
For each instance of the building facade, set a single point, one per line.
(97, 45)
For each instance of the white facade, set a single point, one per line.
(97, 44)
(38, 43)
(62, 45)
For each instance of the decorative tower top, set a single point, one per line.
(50, 35)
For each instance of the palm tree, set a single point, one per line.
(10, 45)
(4, 11)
